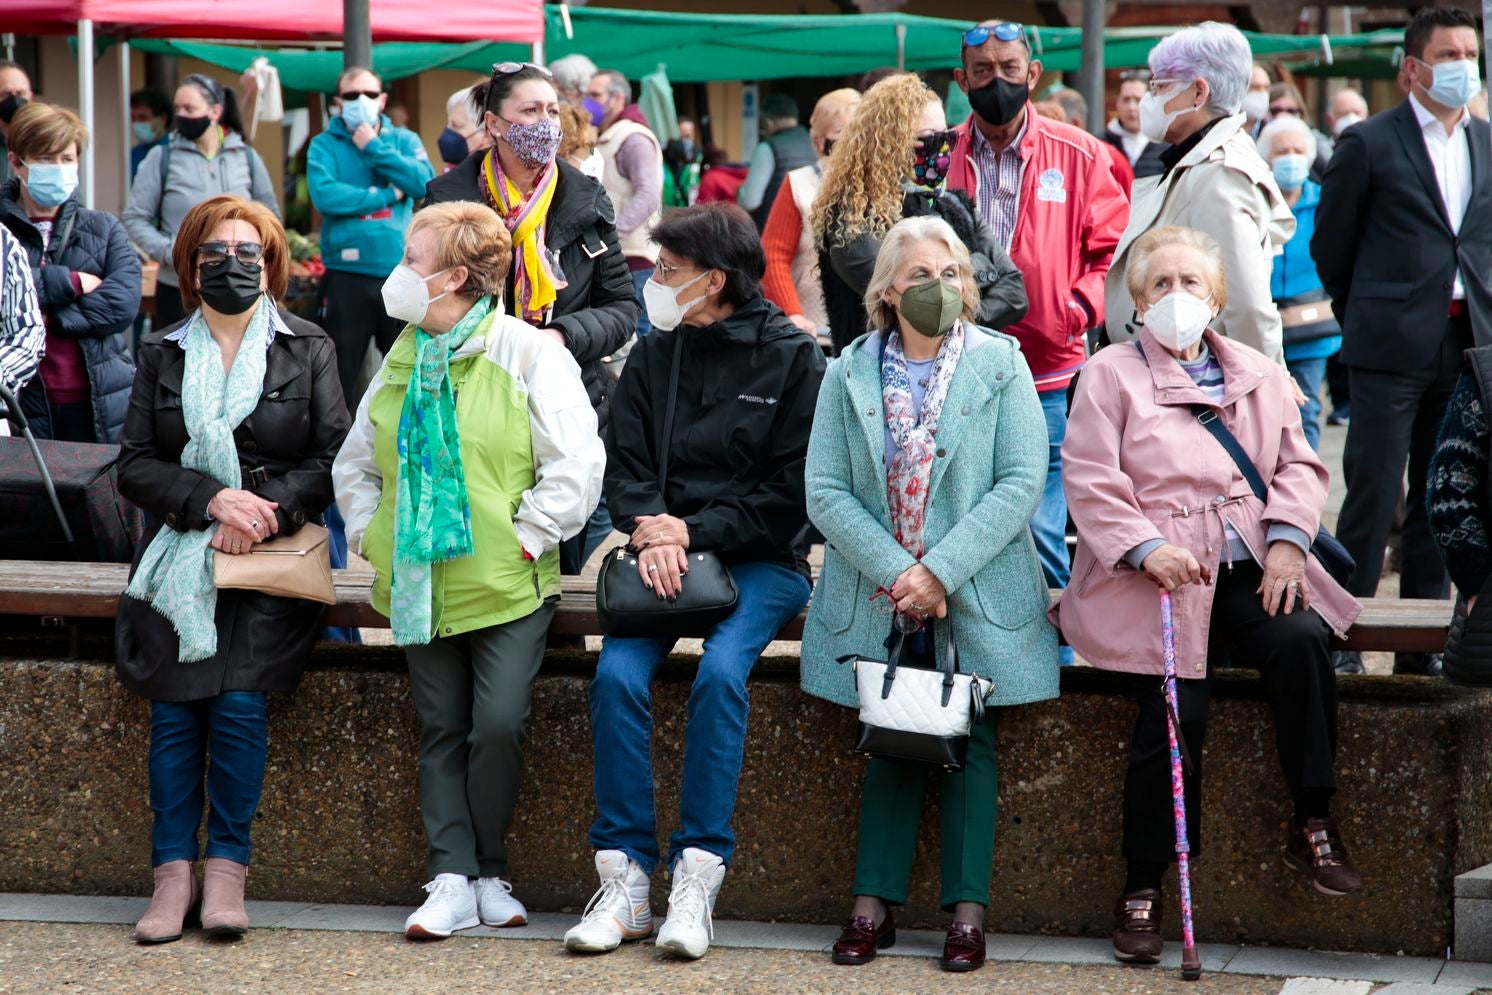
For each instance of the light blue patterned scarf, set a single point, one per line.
(175, 575)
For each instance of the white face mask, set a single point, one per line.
(1155, 120)
(1255, 105)
(1343, 123)
(406, 294)
(1178, 320)
(664, 309)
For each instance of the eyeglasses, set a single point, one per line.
(1004, 31)
(1159, 86)
(668, 271)
(212, 253)
(351, 95)
(509, 68)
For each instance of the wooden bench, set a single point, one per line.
(92, 590)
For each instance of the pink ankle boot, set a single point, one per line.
(223, 913)
(175, 900)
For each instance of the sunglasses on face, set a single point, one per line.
(509, 68)
(351, 95)
(1004, 31)
(211, 253)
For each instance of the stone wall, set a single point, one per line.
(340, 819)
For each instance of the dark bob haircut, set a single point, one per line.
(719, 236)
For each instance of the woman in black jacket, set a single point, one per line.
(569, 276)
(900, 121)
(86, 275)
(746, 386)
(234, 420)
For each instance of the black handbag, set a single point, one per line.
(1326, 548)
(627, 609)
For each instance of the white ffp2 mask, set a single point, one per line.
(406, 294)
(664, 309)
(1178, 320)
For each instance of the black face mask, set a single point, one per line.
(999, 101)
(230, 287)
(10, 105)
(192, 128)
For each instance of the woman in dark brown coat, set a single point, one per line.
(235, 417)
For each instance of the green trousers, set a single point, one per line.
(472, 692)
(891, 812)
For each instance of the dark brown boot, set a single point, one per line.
(1137, 934)
(1316, 851)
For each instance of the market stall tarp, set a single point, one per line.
(276, 20)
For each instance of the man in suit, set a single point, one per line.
(1403, 244)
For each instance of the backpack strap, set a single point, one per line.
(160, 200)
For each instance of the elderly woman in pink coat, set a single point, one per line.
(1159, 503)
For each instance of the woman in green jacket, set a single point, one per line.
(927, 459)
(473, 454)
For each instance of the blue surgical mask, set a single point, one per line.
(51, 183)
(363, 110)
(145, 132)
(1455, 82)
(1291, 171)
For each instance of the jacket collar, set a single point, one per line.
(1412, 136)
(1243, 371)
(281, 364)
(1219, 130)
(16, 219)
(400, 361)
(277, 327)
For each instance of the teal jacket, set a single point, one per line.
(357, 192)
(991, 467)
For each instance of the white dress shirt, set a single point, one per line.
(1134, 142)
(1450, 156)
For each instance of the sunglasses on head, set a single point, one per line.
(1131, 75)
(1004, 31)
(351, 95)
(509, 68)
(210, 253)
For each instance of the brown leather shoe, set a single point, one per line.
(173, 905)
(223, 914)
(861, 938)
(1316, 851)
(1137, 937)
(963, 949)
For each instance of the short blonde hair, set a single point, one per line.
(577, 134)
(902, 236)
(1159, 238)
(471, 235)
(45, 129)
(834, 108)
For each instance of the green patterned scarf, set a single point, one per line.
(432, 514)
(175, 574)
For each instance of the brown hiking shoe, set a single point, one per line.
(1316, 851)
(1137, 936)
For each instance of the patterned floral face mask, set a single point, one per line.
(931, 157)
(535, 142)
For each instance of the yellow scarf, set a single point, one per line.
(535, 287)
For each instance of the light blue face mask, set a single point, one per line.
(363, 110)
(1455, 82)
(145, 132)
(1291, 170)
(51, 183)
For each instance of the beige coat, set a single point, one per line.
(1224, 188)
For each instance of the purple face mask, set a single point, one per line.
(596, 111)
(534, 143)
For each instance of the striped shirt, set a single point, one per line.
(23, 331)
(999, 183)
(1206, 374)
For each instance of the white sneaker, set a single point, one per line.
(452, 905)
(496, 905)
(696, 884)
(618, 911)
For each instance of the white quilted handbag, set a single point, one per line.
(913, 713)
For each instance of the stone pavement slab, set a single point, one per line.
(1462, 972)
(1317, 964)
(1083, 950)
(1418, 988)
(71, 908)
(1325, 986)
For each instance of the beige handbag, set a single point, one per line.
(293, 566)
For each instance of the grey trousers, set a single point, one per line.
(473, 692)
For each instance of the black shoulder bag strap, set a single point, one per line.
(160, 200)
(1209, 419)
(668, 413)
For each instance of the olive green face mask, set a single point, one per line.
(932, 307)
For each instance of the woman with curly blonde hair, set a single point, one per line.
(889, 164)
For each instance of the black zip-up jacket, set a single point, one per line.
(84, 241)
(747, 390)
(598, 310)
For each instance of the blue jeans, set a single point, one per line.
(1049, 524)
(639, 277)
(234, 728)
(1309, 373)
(715, 738)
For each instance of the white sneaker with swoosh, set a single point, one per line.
(689, 928)
(619, 910)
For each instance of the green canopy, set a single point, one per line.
(696, 48)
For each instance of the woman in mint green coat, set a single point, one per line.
(927, 459)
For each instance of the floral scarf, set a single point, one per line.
(432, 513)
(175, 574)
(910, 474)
(535, 285)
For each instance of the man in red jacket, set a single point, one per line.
(1049, 193)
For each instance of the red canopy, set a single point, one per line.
(280, 20)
